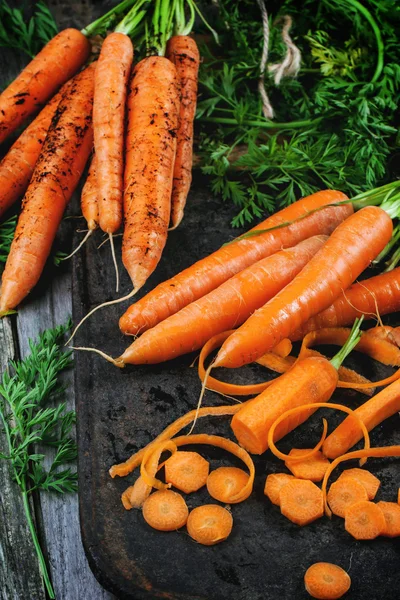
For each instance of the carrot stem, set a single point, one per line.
(132, 19)
(352, 341)
(105, 22)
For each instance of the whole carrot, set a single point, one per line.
(53, 66)
(207, 274)
(227, 306)
(153, 106)
(183, 52)
(111, 80)
(349, 250)
(379, 294)
(378, 408)
(17, 166)
(64, 154)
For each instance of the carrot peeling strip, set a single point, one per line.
(148, 456)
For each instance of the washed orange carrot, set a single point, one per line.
(310, 380)
(209, 524)
(135, 460)
(369, 481)
(273, 485)
(183, 52)
(377, 294)
(226, 307)
(326, 581)
(194, 282)
(61, 162)
(225, 483)
(312, 468)
(364, 520)
(54, 65)
(343, 493)
(348, 251)
(17, 166)
(391, 512)
(380, 407)
(165, 510)
(301, 501)
(187, 471)
(378, 452)
(110, 90)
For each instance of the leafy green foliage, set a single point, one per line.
(335, 125)
(27, 35)
(7, 230)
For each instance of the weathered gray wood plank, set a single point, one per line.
(16, 547)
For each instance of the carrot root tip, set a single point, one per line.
(7, 312)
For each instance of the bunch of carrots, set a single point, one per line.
(140, 174)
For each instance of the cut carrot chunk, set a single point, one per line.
(165, 510)
(209, 524)
(187, 471)
(273, 485)
(312, 468)
(326, 581)
(344, 493)
(301, 501)
(391, 512)
(226, 483)
(369, 481)
(364, 520)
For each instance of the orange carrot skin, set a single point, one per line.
(348, 251)
(89, 198)
(381, 293)
(380, 407)
(17, 166)
(153, 107)
(222, 309)
(41, 78)
(111, 80)
(207, 274)
(66, 149)
(312, 379)
(184, 53)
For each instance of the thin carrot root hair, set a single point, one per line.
(377, 452)
(175, 427)
(110, 235)
(305, 407)
(115, 361)
(79, 246)
(372, 314)
(107, 240)
(109, 303)
(200, 401)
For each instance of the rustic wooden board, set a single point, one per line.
(120, 411)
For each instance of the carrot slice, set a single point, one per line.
(344, 493)
(312, 468)
(391, 512)
(364, 520)
(326, 581)
(135, 460)
(187, 471)
(209, 524)
(273, 485)
(301, 501)
(225, 483)
(369, 481)
(165, 510)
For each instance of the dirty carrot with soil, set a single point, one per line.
(57, 62)
(348, 251)
(183, 52)
(61, 162)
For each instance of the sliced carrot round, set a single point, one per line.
(209, 524)
(165, 510)
(391, 512)
(301, 501)
(326, 581)
(273, 485)
(187, 471)
(312, 468)
(369, 481)
(344, 493)
(364, 520)
(225, 484)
